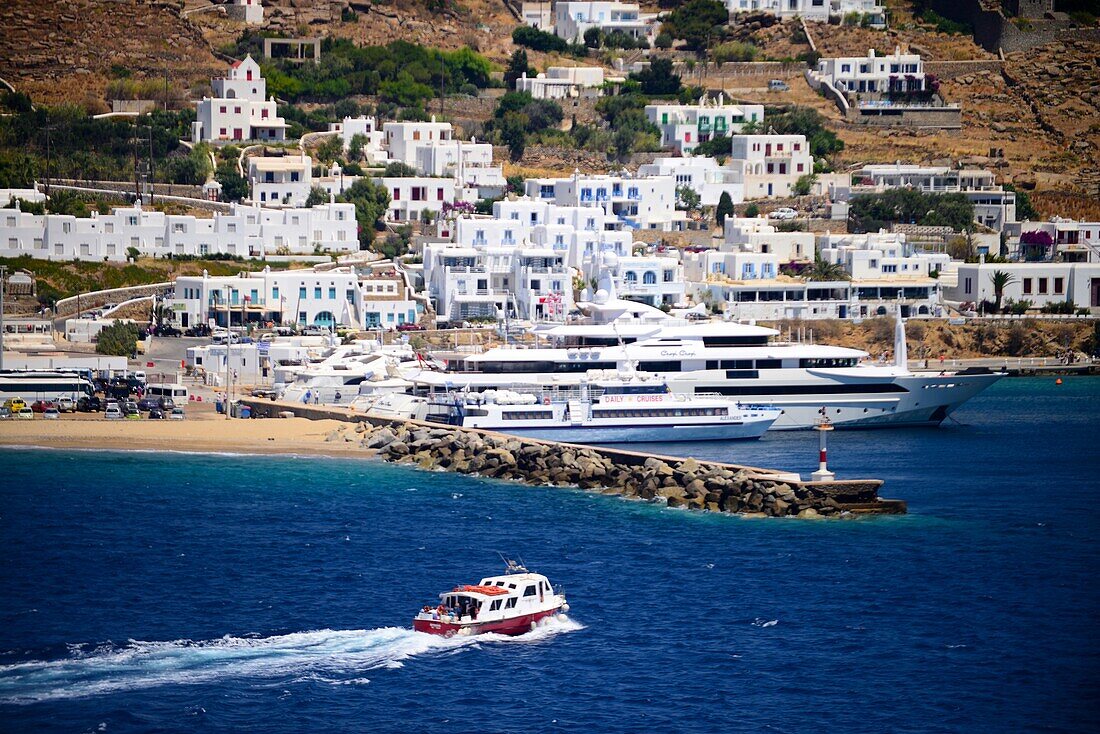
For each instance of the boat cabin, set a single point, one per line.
(496, 597)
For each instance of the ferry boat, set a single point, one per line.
(638, 408)
(511, 604)
(742, 362)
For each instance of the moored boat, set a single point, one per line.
(510, 604)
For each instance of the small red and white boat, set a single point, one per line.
(511, 604)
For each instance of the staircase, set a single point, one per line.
(576, 412)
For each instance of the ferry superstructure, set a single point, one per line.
(743, 362)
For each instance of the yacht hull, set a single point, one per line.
(641, 434)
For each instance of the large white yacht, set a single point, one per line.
(743, 362)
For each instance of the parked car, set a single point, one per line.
(89, 404)
(777, 85)
(113, 412)
(176, 414)
(265, 392)
(167, 330)
(221, 337)
(314, 331)
(199, 330)
(66, 404)
(783, 213)
(5, 413)
(156, 414)
(166, 404)
(129, 406)
(25, 414)
(51, 413)
(148, 403)
(411, 326)
(131, 413)
(15, 404)
(41, 406)
(696, 316)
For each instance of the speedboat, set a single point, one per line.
(511, 604)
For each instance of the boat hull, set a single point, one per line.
(642, 434)
(512, 626)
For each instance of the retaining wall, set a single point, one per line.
(94, 299)
(675, 481)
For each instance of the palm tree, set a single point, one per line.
(1001, 279)
(825, 270)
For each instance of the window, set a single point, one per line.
(1042, 286)
(1027, 286)
(511, 602)
(302, 292)
(332, 294)
(649, 277)
(530, 591)
(1059, 286)
(317, 292)
(275, 293)
(439, 194)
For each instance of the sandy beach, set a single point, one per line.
(207, 433)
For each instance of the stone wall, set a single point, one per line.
(677, 482)
(945, 118)
(952, 69)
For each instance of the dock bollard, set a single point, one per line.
(823, 427)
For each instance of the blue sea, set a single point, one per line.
(148, 592)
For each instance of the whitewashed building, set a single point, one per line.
(280, 181)
(239, 109)
(650, 279)
(819, 10)
(873, 74)
(994, 207)
(880, 255)
(770, 165)
(573, 19)
(372, 137)
(538, 15)
(1041, 283)
(628, 202)
(414, 197)
(250, 12)
(468, 163)
(1070, 241)
(683, 127)
(702, 175)
(563, 82)
(404, 139)
(246, 231)
(746, 234)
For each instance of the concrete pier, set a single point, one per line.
(676, 481)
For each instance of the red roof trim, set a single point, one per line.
(485, 590)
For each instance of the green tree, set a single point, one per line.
(117, 339)
(687, 199)
(663, 40)
(517, 67)
(724, 208)
(657, 79)
(593, 38)
(371, 202)
(1001, 279)
(330, 149)
(133, 253)
(697, 22)
(355, 146)
(752, 211)
(513, 133)
(234, 185)
(397, 169)
(805, 184)
(1025, 211)
(317, 195)
(825, 270)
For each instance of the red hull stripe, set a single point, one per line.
(511, 626)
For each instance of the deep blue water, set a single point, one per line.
(143, 592)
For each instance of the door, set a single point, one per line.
(1095, 300)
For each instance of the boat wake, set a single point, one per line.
(336, 657)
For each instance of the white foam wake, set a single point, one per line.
(338, 657)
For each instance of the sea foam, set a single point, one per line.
(337, 657)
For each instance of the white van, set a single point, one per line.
(171, 391)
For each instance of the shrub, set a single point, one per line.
(734, 51)
(117, 339)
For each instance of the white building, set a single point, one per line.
(250, 12)
(469, 164)
(387, 301)
(880, 256)
(744, 234)
(701, 174)
(374, 139)
(239, 110)
(1041, 283)
(649, 279)
(526, 282)
(413, 196)
(819, 10)
(770, 165)
(538, 15)
(873, 74)
(404, 139)
(573, 19)
(280, 181)
(683, 127)
(308, 297)
(628, 202)
(1070, 241)
(993, 206)
(563, 82)
(246, 231)
(783, 297)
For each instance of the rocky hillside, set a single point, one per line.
(67, 50)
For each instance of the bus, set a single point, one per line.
(34, 385)
(173, 391)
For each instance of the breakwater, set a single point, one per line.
(675, 481)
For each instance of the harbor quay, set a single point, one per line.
(676, 481)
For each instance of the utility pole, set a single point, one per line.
(152, 171)
(3, 277)
(48, 128)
